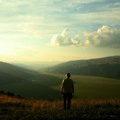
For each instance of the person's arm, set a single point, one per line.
(62, 86)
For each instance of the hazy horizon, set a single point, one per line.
(57, 30)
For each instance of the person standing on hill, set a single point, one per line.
(67, 89)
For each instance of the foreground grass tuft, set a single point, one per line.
(13, 108)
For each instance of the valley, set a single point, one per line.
(46, 83)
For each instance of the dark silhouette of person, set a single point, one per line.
(67, 89)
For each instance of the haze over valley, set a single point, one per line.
(93, 78)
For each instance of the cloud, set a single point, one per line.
(65, 39)
(103, 37)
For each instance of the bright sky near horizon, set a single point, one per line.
(58, 30)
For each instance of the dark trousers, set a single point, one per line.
(67, 101)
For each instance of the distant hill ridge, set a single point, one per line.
(15, 70)
(105, 67)
(106, 60)
(12, 74)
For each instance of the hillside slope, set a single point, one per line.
(105, 67)
(15, 70)
(25, 82)
(6, 79)
(10, 74)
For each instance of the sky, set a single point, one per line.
(58, 30)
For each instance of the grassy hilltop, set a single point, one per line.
(13, 108)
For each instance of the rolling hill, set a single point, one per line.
(10, 74)
(31, 84)
(104, 67)
(25, 82)
(14, 70)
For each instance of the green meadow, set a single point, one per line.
(95, 87)
(94, 98)
(47, 86)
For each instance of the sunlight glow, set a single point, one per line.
(5, 50)
(71, 30)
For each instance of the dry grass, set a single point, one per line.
(13, 108)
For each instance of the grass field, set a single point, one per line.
(92, 87)
(12, 108)
(47, 86)
(96, 87)
(94, 98)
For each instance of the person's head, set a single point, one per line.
(68, 75)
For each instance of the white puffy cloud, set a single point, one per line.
(65, 39)
(104, 37)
